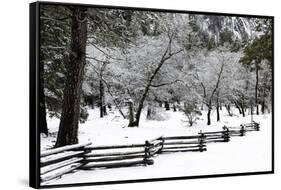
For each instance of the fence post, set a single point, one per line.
(147, 155)
(201, 142)
(242, 130)
(86, 151)
(226, 134)
(257, 126)
(162, 145)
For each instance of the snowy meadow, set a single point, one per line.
(251, 153)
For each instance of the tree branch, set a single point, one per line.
(164, 84)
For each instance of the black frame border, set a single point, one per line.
(34, 133)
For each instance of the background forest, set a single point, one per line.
(139, 62)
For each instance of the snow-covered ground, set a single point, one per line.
(250, 153)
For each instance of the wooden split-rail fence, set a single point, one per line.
(56, 162)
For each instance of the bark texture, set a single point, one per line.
(68, 128)
(42, 106)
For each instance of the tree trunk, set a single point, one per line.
(93, 100)
(251, 110)
(263, 106)
(167, 55)
(148, 115)
(242, 110)
(68, 128)
(217, 106)
(228, 108)
(138, 114)
(218, 113)
(256, 90)
(131, 114)
(104, 110)
(174, 107)
(101, 98)
(237, 106)
(42, 106)
(114, 100)
(263, 102)
(209, 116)
(167, 105)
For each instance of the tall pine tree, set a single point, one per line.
(68, 128)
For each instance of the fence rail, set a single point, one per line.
(59, 161)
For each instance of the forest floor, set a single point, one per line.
(250, 153)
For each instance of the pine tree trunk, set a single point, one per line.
(68, 128)
(256, 90)
(42, 107)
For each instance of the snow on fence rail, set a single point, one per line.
(243, 128)
(117, 156)
(59, 161)
(183, 144)
(216, 136)
(140, 154)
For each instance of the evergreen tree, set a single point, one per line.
(254, 53)
(68, 128)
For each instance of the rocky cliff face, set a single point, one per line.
(219, 29)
